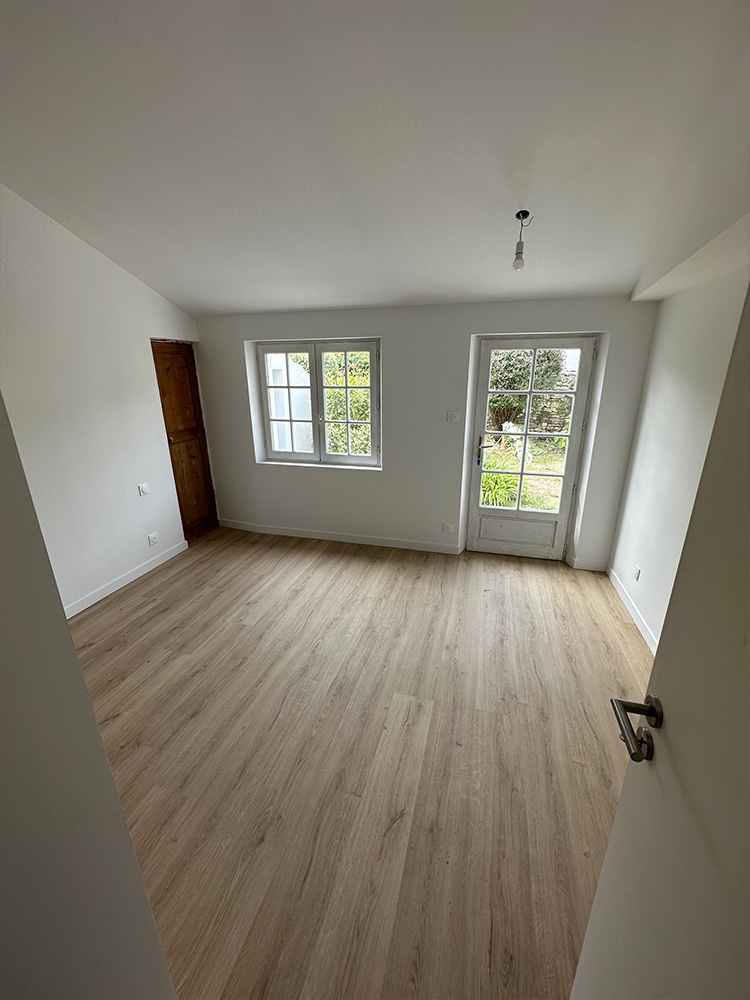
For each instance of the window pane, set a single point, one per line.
(499, 490)
(550, 414)
(278, 404)
(545, 454)
(504, 452)
(335, 404)
(510, 369)
(276, 369)
(358, 363)
(359, 436)
(336, 443)
(541, 493)
(506, 412)
(556, 368)
(359, 404)
(299, 368)
(333, 367)
(301, 406)
(303, 437)
(281, 436)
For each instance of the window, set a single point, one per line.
(321, 401)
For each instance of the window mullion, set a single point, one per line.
(319, 412)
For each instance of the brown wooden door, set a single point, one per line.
(183, 419)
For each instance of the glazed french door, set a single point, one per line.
(529, 422)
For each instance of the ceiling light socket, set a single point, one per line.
(522, 216)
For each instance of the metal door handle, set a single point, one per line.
(480, 449)
(640, 744)
(171, 440)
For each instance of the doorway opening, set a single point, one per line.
(530, 415)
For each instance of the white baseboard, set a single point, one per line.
(337, 536)
(120, 581)
(593, 567)
(633, 611)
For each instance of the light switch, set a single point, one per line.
(143, 489)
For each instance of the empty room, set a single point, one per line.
(374, 499)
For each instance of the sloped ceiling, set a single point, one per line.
(283, 155)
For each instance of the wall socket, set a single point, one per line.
(448, 529)
(143, 489)
(452, 416)
(153, 538)
(637, 573)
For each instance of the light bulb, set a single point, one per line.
(518, 263)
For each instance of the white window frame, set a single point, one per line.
(316, 349)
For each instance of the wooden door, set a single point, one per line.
(670, 918)
(183, 419)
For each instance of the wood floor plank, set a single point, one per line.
(362, 773)
(350, 953)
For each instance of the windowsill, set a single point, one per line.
(321, 465)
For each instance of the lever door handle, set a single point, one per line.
(640, 744)
(480, 448)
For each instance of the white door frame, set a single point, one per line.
(533, 520)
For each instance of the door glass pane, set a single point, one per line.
(358, 367)
(333, 368)
(506, 412)
(276, 369)
(541, 493)
(557, 368)
(301, 406)
(281, 436)
(278, 404)
(336, 443)
(359, 439)
(550, 414)
(359, 404)
(499, 490)
(299, 368)
(510, 369)
(303, 437)
(545, 454)
(502, 452)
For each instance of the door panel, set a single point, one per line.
(529, 421)
(670, 917)
(192, 490)
(183, 420)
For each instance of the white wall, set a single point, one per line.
(74, 920)
(425, 359)
(693, 342)
(78, 377)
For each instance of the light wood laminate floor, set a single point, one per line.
(355, 772)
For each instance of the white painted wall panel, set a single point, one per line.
(425, 367)
(694, 336)
(75, 923)
(78, 378)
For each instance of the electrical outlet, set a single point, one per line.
(153, 538)
(448, 529)
(637, 573)
(143, 489)
(452, 416)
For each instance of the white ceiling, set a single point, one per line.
(282, 155)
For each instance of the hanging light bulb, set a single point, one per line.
(518, 261)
